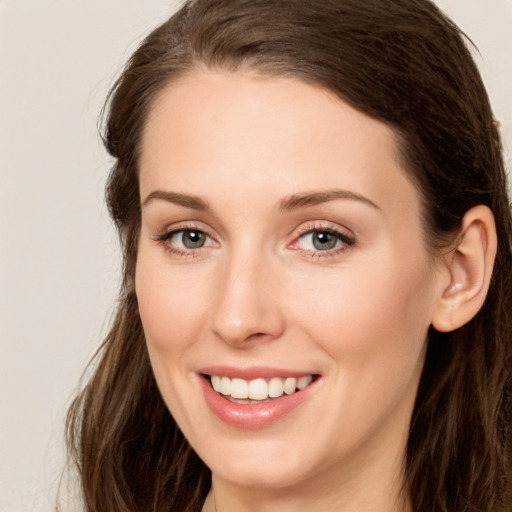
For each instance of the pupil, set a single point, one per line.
(193, 239)
(322, 240)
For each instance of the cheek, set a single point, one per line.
(378, 312)
(373, 325)
(171, 305)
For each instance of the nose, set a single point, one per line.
(246, 302)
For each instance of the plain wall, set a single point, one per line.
(59, 261)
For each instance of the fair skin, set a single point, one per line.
(280, 234)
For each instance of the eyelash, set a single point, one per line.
(346, 240)
(164, 239)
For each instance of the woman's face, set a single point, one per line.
(281, 240)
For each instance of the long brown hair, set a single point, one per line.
(404, 63)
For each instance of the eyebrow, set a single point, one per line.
(290, 203)
(193, 202)
(307, 199)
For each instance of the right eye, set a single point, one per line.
(187, 239)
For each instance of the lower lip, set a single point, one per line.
(253, 416)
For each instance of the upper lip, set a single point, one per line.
(253, 372)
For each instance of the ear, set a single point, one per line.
(466, 271)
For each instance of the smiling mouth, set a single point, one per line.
(258, 390)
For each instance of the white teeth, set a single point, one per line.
(225, 385)
(302, 382)
(259, 389)
(290, 384)
(275, 387)
(239, 388)
(216, 383)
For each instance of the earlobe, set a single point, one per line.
(467, 271)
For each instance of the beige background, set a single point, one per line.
(58, 253)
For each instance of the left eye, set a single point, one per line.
(189, 239)
(318, 240)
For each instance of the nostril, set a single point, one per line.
(256, 336)
(238, 319)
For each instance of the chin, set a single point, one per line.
(268, 464)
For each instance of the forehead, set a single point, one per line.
(246, 131)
